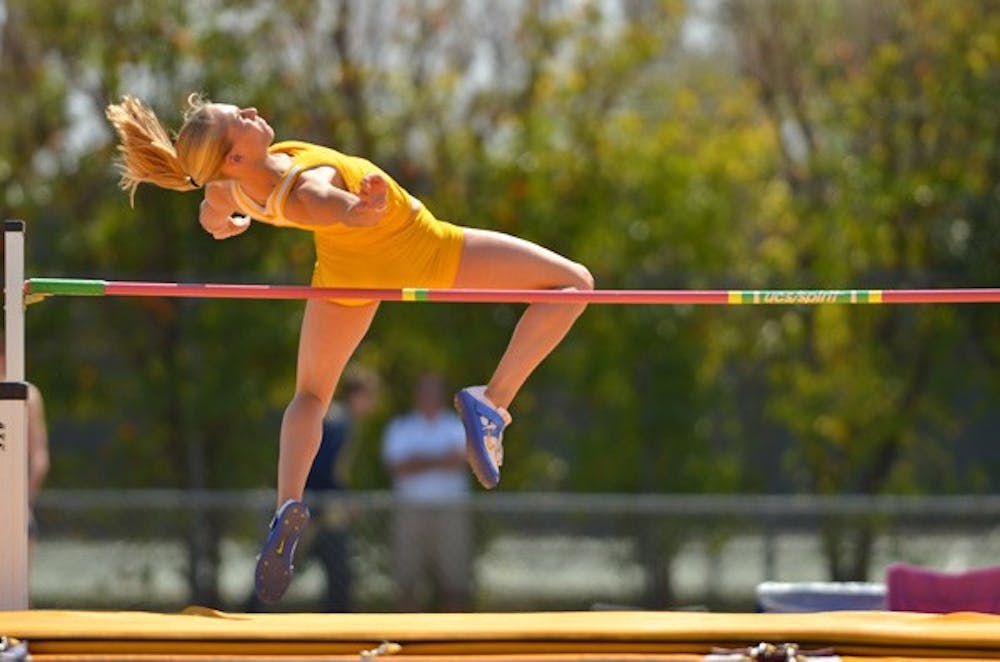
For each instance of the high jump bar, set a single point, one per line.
(36, 288)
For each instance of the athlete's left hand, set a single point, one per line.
(373, 192)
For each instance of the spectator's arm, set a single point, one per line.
(38, 442)
(420, 464)
(390, 445)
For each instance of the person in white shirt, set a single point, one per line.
(424, 451)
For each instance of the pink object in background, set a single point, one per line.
(912, 588)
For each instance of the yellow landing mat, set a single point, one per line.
(533, 637)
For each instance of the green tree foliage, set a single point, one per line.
(887, 175)
(884, 178)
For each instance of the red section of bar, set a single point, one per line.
(206, 290)
(223, 291)
(975, 295)
(595, 296)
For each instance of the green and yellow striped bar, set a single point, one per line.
(806, 297)
(415, 294)
(42, 287)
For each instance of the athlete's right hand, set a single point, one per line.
(216, 215)
(221, 225)
(234, 225)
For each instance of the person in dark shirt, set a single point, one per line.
(329, 475)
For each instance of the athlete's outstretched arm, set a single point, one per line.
(317, 202)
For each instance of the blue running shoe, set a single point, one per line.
(274, 565)
(484, 425)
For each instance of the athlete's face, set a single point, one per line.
(248, 132)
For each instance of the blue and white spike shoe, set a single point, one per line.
(275, 562)
(484, 425)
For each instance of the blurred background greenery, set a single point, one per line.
(665, 144)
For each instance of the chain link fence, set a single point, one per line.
(163, 549)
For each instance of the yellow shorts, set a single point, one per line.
(424, 252)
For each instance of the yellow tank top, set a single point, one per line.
(352, 169)
(408, 247)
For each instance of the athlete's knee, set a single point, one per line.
(306, 398)
(582, 278)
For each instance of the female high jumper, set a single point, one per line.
(369, 233)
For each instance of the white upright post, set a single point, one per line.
(14, 431)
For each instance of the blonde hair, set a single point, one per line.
(147, 154)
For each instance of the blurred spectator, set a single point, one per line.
(425, 453)
(329, 475)
(38, 440)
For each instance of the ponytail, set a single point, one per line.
(147, 154)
